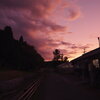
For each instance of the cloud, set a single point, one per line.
(38, 8)
(73, 14)
(72, 10)
(46, 46)
(74, 46)
(33, 14)
(31, 18)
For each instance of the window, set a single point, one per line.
(96, 63)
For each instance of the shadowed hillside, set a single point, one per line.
(17, 54)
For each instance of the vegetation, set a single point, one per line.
(17, 54)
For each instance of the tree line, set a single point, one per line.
(17, 54)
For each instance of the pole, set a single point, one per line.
(84, 50)
(99, 41)
(99, 47)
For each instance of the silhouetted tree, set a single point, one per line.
(66, 59)
(17, 53)
(8, 31)
(21, 40)
(61, 57)
(56, 54)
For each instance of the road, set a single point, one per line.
(53, 85)
(60, 87)
(20, 89)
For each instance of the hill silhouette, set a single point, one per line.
(17, 54)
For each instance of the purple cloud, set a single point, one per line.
(31, 18)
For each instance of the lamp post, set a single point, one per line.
(99, 41)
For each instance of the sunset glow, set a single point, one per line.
(68, 25)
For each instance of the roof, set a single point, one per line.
(88, 54)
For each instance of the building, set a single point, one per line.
(86, 58)
(88, 65)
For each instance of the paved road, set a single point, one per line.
(59, 87)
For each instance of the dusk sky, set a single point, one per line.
(67, 25)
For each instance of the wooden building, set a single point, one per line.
(88, 65)
(86, 58)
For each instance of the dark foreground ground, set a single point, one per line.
(56, 86)
(53, 85)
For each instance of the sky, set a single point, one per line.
(68, 25)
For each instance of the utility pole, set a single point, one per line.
(99, 41)
(84, 50)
